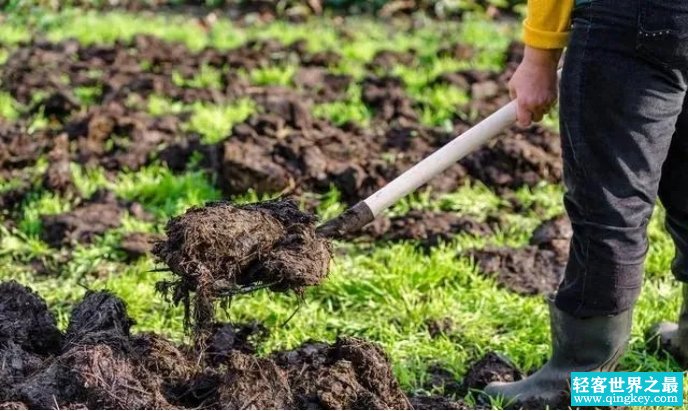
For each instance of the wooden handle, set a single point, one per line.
(442, 159)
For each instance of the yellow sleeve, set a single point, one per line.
(547, 23)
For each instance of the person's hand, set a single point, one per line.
(534, 84)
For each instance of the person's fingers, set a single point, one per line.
(512, 91)
(524, 116)
(538, 111)
(538, 115)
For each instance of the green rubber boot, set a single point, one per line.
(673, 337)
(578, 344)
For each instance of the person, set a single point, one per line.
(624, 136)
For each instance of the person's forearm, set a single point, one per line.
(542, 57)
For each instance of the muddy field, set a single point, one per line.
(94, 106)
(283, 149)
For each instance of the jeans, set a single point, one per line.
(625, 143)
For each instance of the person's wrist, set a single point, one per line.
(546, 58)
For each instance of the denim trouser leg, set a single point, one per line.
(622, 91)
(673, 192)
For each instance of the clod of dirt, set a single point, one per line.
(80, 225)
(15, 365)
(105, 378)
(136, 245)
(437, 402)
(325, 58)
(226, 338)
(387, 97)
(321, 84)
(439, 327)
(26, 321)
(13, 405)
(491, 368)
(521, 157)
(445, 380)
(351, 374)
(223, 249)
(427, 227)
(98, 314)
(272, 152)
(99, 136)
(100, 365)
(94, 217)
(58, 176)
(162, 358)
(18, 147)
(253, 383)
(458, 51)
(527, 270)
(285, 104)
(13, 197)
(555, 235)
(387, 59)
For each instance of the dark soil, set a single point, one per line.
(26, 321)
(99, 312)
(554, 235)
(136, 245)
(102, 365)
(19, 148)
(351, 374)
(290, 10)
(322, 85)
(118, 69)
(117, 138)
(222, 249)
(58, 176)
(522, 157)
(387, 59)
(227, 338)
(88, 220)
(14, 405)
(387, 96)
(444, 381)
(428, 228)
(491, 368)
(440, 327)
(527, 270)
(287, 150)
(12, 198)
(437, 402)
(533, 269)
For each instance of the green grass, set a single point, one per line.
(387, 293)
(207, 77)
(42, 203)
(10, 109)
(88, 95)
(272, 75)
(164, 193)
(350, 110)
(159, 105)
(214, 122)
(439, 104)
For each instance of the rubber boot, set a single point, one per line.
(578, 344)
(673, 337)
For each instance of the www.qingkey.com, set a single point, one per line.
(629, 399)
